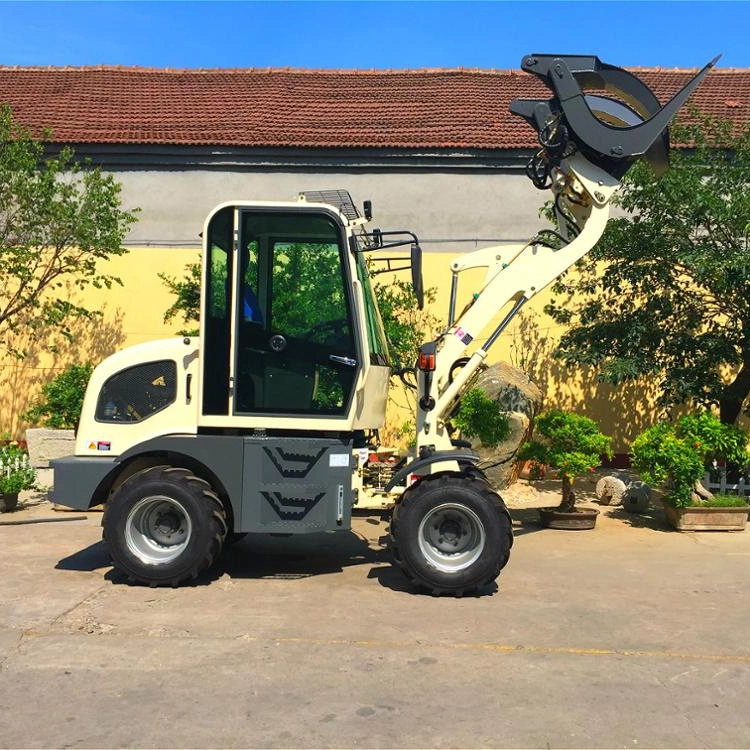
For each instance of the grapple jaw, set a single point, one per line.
(611, 132)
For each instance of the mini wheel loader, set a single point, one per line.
(266, 422)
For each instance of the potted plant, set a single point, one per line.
(676, 455)
(55, 415)
(571, 444)
(16, 474)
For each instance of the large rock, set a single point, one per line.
(521, 400)
(610, 490)
(637, 497)
(45, 444)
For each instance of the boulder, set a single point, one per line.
(637, 497)
(521, 400)
(45, 444)
(610, 490)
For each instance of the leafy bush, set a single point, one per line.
(15, 472)
(677, 454)
(480, 416)
(62, 399)
(571, 443)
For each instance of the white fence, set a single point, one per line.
(19, 462)
(742, 487)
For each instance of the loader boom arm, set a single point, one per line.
(588, 142)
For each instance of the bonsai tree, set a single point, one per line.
(571, 443)
(678, 454)
(61, 401)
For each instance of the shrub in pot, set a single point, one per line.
(677, 455)
(16, 474)
(572, 445)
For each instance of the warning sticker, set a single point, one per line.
(104, 445)
(465, 336)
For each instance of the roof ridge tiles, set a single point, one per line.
(333, 71)
(257, 69)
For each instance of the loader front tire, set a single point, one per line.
(451, 534)
(164, 526)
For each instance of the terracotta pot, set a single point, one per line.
(8, 502)
(707, 519)
(552, 518)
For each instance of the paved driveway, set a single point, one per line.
(627, 636)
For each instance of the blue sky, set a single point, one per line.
(370, 34)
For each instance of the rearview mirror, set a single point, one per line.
(416, 274)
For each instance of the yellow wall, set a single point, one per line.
(133, 313)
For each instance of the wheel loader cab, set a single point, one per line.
(290, 326)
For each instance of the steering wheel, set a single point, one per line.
(338, 328)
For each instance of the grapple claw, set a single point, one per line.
(611, 132)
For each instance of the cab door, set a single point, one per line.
(295, 347)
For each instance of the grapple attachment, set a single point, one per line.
(611, 132)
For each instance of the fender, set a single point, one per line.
(463, 458)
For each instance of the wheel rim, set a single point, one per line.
(158, 529)
(451, 537)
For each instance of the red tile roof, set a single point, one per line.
(414, 109)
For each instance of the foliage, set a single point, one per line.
(58, 221)
(406, 326)
(187, 304)
(569, 442)
(15, 472)
(62, 399)
(664, 293)
(480, 416)
(677, 454)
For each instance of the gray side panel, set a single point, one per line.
(220, 454)
(297, 485)
(76, 479)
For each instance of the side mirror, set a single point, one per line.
(416, 274)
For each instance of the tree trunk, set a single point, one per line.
(567, 505)
(735, 394)
(700, 493)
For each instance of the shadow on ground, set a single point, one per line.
(276, 558)
(654, 518)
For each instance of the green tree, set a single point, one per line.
(406, 326)
(571, 444)
(664, 295)
(58, 220)
(187, 303)
(61, 401)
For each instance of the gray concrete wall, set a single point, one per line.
(450, 211)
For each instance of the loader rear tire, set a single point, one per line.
(451, 534)
(164, 526)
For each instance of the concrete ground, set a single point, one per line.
(630, 635)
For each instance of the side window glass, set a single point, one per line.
(253, 299)
(135, 394)
(219, 273)
(217, 311)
